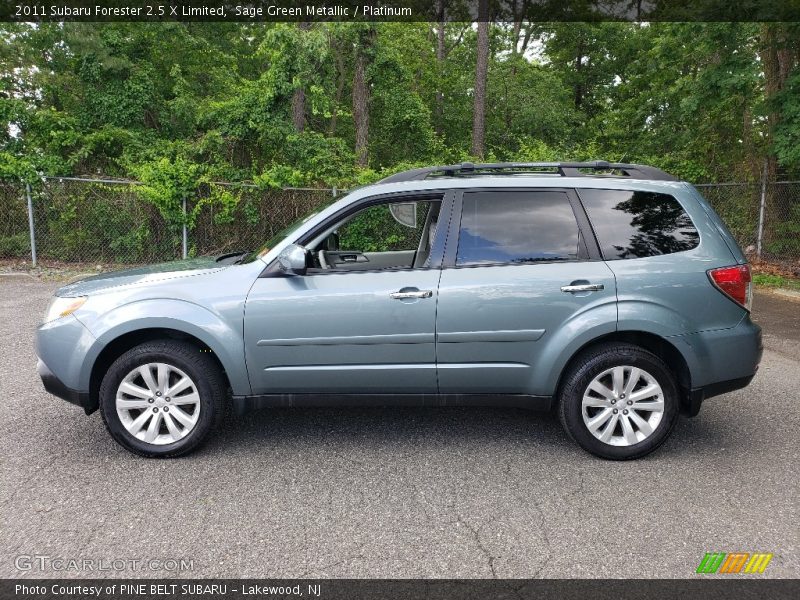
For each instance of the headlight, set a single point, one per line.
(61, 307)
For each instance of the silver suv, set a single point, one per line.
(610, 292)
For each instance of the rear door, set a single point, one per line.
(519, 271)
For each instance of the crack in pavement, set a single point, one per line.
(307, 573)
(476, 534)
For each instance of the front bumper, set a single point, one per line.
(62, 346)
(57, 387)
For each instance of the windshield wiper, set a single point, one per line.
(228, 255)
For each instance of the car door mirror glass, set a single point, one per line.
(404, 213)
(292, 260)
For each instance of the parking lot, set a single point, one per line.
(396, 492)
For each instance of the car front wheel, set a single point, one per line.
(619, 401)
(162, 398)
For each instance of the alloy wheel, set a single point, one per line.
(623, 406)
(158, 403)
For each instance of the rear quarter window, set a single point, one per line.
(637, 224)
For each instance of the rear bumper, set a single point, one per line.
(722, 361)
(696, 397)
(57, 387)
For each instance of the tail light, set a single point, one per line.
(735, 282)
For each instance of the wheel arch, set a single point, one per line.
(145, 319)
(120, 344)
(660, 346)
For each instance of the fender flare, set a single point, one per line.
(566, 341)
(589, 328)
(188, 318)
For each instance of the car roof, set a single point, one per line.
(518, 181)
(559, 169)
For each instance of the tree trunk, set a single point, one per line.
(481, 70)
(340, 80)
(299, 95)
(361, 99)
(751, 154)
(578, 81)
(440, 55)
(777, 61)
(515, 28)
(519, 15)
(769, 61)
(526, 39)
(299, 109)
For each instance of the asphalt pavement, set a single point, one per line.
(400, 493)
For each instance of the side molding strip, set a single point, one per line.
(512, 335)
(353, 340)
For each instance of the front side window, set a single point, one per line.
(385, 227)
(638, 224)
(389, 235)
(518, 227)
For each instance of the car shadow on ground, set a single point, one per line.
(383, 426)
(373, 429)
(394, 429)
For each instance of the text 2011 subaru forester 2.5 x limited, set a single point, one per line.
(610, 291)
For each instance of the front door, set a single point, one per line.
(521, 273)
(362, 318)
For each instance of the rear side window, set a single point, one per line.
(638, 224)
(518, 227)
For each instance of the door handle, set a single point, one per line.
(411, 294)
(586, 287)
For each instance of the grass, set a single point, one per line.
(776, 281)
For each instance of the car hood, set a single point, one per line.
(141, 275)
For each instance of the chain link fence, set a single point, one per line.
(112, 222)
(98, 221)
(14, 233)
(102, 221)
(763, 217)
(258, 215)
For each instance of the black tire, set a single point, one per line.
(199, 366)
(592, 363)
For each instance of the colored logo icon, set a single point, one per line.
(734, 562)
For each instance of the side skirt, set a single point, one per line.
(245, 404)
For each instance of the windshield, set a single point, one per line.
(277, 238)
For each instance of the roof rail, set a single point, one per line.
(564, 169)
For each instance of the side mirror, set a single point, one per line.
(292, 260)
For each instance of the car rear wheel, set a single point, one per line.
(162, 398)
(619, 401)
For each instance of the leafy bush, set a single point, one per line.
(14, 246)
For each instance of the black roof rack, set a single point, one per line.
(564, 169)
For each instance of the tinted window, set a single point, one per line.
(517, 227)
(638, 224)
